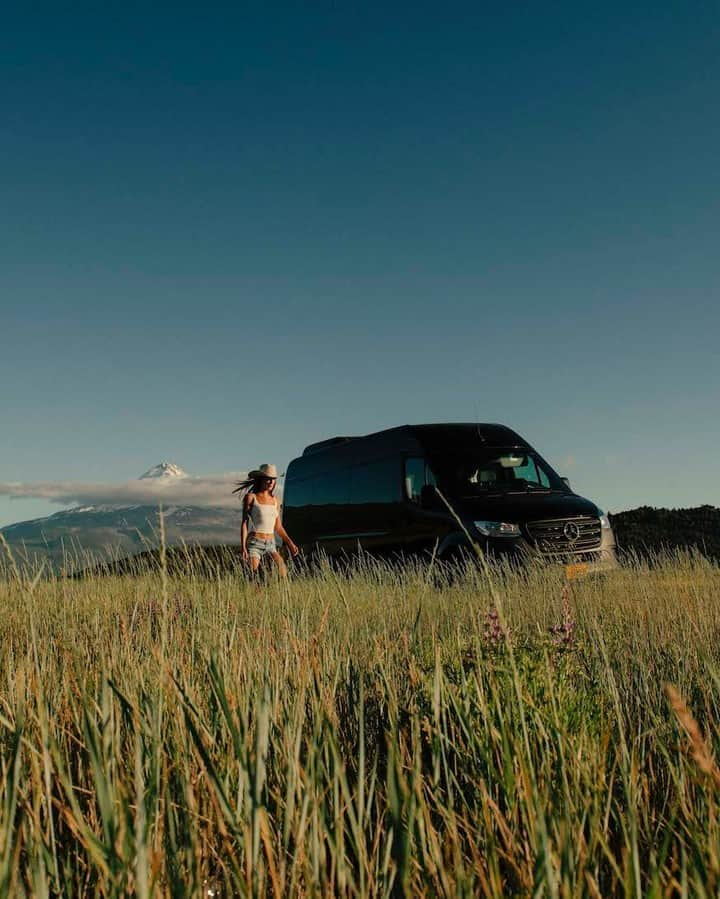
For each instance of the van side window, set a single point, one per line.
(376, 482)
(299, 493)
(331, 488)
(417, 476)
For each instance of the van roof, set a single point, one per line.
(434, 437)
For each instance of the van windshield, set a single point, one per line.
(497, 471)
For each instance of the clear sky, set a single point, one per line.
(228, 231)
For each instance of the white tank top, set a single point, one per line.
(263, 517)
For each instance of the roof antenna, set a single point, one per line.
(477, 424)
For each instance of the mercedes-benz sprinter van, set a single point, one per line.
(386, 494)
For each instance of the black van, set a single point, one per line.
(381, 493)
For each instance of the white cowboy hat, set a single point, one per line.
(264, 471)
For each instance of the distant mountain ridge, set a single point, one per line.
(74, 537)
(86, 534)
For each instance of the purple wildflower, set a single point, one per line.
(563, 634)
(495, 634)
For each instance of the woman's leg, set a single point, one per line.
(280, 562)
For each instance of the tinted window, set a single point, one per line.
(298, 493)
(417, 476)
(331, 489)
(376, 482)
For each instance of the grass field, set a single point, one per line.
(387, 734)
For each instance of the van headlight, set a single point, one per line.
(498, 528)
(605, 521)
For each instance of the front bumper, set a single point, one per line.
(598, 559)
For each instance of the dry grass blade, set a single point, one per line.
(184, 732)
(700, 752)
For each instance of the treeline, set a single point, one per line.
(647, 531)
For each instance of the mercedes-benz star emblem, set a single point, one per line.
(571, 531)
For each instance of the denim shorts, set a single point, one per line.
(257, 547)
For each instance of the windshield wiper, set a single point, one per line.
(494, 489)
(484, 492)
(540, 489)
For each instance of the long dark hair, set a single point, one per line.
(251, 485)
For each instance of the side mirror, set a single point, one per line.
(428, 497)
(566, 482)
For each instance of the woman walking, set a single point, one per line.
(261, 520)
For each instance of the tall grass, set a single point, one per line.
(387, 733)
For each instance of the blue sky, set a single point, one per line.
(228, 231)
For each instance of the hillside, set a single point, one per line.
(648, 530)
(74, 538)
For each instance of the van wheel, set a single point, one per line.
(455, 562)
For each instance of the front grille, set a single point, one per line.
(557, 536)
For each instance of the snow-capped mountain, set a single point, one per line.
(77, 536)
(167, 470)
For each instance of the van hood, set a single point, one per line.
(521, 507)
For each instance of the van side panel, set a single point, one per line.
(375, 511)
(297, 507)
(349, 494)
